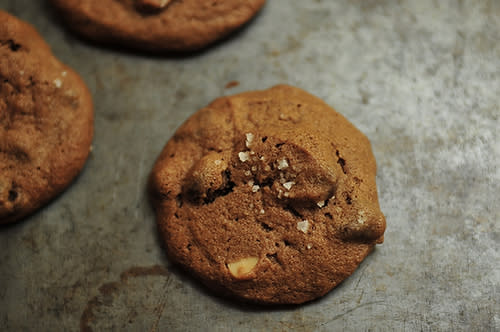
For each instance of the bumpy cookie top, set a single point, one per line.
(157, 25)
(46, 121)
(268, 196)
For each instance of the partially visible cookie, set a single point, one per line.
(157, 25)
(268, 196)
(46, 121)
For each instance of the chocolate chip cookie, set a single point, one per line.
(46, 121)
(157, 25)
(268, 196)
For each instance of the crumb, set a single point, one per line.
(232, 84)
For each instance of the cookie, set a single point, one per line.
(268, 196)
(157, 25)
(46, 121)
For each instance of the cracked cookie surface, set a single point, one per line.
(157, 25)
(46, 121)
(268, 196)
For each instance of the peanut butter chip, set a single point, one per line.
(241, 269)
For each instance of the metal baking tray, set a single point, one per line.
(420, 78)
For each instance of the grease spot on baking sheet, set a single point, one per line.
(135, 302)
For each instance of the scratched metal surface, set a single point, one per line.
(420, 78)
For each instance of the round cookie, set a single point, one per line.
(157, 25)
(46, 121)
(268, 196)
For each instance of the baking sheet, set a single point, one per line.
(420, 78)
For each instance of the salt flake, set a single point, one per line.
(303, 226)
(244, 156)
(249, 139)
(282, 164)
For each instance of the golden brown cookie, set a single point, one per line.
(157, 25)
(46, 121)
(268, 196)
